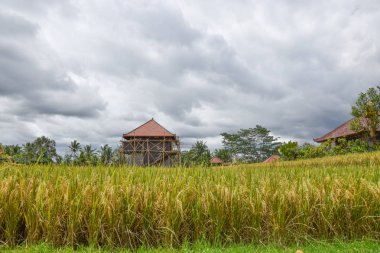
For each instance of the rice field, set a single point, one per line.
(284, 203)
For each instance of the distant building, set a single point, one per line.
(216, 161)
(344, 131)
(151, 145)
(272, 158)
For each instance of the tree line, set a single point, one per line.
(43, 151)
(244, 146)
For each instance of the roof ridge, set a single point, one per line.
(159, 127)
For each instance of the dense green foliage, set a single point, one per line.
(292, 151)
(250, 145)
(199, 154)
(335, 198)
(223, 154)
(88, 155)
(367, 113)
(289, 150)
(43, 151)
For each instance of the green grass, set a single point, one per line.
(337, 247)
(284, 203)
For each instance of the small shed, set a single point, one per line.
(272, 158)
(216, 161)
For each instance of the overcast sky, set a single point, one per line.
(93, 70)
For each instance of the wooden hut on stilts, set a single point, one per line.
(151, 145)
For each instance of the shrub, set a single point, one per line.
(289, 151)
(292, 151)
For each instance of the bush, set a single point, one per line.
(1, 152)
(292, 151)
(289, 151)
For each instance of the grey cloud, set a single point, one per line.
(305, 61)
(20, 74)
(175, 55)
(16, 26)
(38, 7)
(199, 67)
(164, 24)
(81, 103)
(40, 89)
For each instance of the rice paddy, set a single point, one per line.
(284, 203)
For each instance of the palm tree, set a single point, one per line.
(105, 154)
(89, 154)
(74, 148)
(200, 154)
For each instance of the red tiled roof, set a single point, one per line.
(149, 129)
(216, 160)
(343, 130)
(272, 159)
